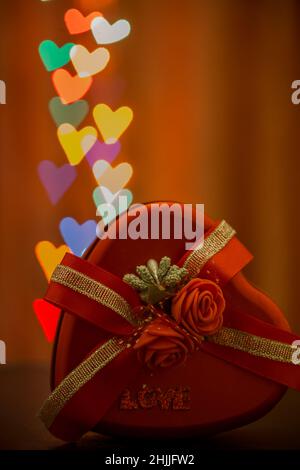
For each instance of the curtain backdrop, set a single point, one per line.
(210, 86)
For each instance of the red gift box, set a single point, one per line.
(99, 382)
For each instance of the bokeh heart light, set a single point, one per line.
(112, 124)
(49, 256)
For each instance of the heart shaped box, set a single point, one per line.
(222, 395)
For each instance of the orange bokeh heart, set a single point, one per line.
(77, 23)
(70, 88)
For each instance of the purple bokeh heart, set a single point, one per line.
(56, 180)
(103, 151)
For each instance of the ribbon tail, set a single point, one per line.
(256, 346)
(83, 398)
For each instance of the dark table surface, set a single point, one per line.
(23, 389)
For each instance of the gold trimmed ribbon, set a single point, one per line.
(94, 290)
(254, 345)
(212, 244)
(83, 373)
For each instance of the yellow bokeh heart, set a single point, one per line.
(112, 124)
(72, 140)
(49, 256)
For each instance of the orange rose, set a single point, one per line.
(161, 345)
(199, 307)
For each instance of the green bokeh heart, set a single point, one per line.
(68, 113)
(53, 56)
(103, 197)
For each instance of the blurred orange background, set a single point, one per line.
(210, 87)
